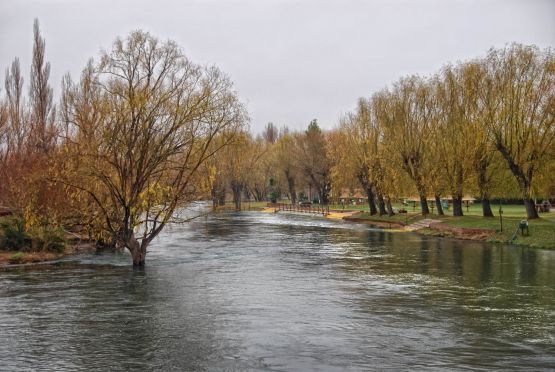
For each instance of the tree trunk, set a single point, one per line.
(138, 251)
(325, 198)
(218, 196)
(531, 211)
(371, 202)
(259, 194)
(486, 208)
(221, 197)
(236, 187)
(381, 204)
(424, 205)
(214, 197)
(524, 181)
(457, 192)
(483, 185)
(292, 191)
(389, 206)
(439, 206)
(457, 206)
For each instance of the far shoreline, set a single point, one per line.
(449, 227)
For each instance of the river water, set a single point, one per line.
(256, 291)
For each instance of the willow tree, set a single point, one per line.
(285, 163)
(484, 157)
(314, 161)
(263, 180)
(518, 95)
(238, 163)
(455, 134)
(407, 113)
(139, 126)
(361, 152)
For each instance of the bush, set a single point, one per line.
(274, 196)
(43, 238)
(15, 238)
(52, 240)
(16, 258)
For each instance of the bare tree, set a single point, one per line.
(144, 120)
(14, 93)
(4, 114)
(286, 162)
(271, 133)
(40, 94)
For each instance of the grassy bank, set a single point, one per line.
(21, 245)
(17, 257)
(541, 231)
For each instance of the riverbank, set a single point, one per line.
(541, 232)
(471, 226)
(10, 258)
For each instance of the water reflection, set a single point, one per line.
(257, 291)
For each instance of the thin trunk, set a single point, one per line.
(483, 185)
(439, 206)
(214, 193)
(237, 188)
(457, 206)
(389, 206)
(371, 202)
(221, 198)
(218, 196)
(424, 205)
(292, 191)
(486, 208)
(457, 192)
(325, 195)
(381, 204)
(422, 194)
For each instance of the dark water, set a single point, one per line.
(276, 292)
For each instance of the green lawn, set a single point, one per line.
(542, 230)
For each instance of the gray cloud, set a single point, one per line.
(291, 60)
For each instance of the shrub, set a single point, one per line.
(15, 238)
(47, 237)
(16, 258)
(41, 238)
(52, 240)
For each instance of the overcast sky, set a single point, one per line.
(291, 61)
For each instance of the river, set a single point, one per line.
(254, 291)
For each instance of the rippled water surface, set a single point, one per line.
(284, 292)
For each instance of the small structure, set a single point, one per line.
(524, 228)
(544, 206)
(467, 200)
(446, 201)
(355, 197)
